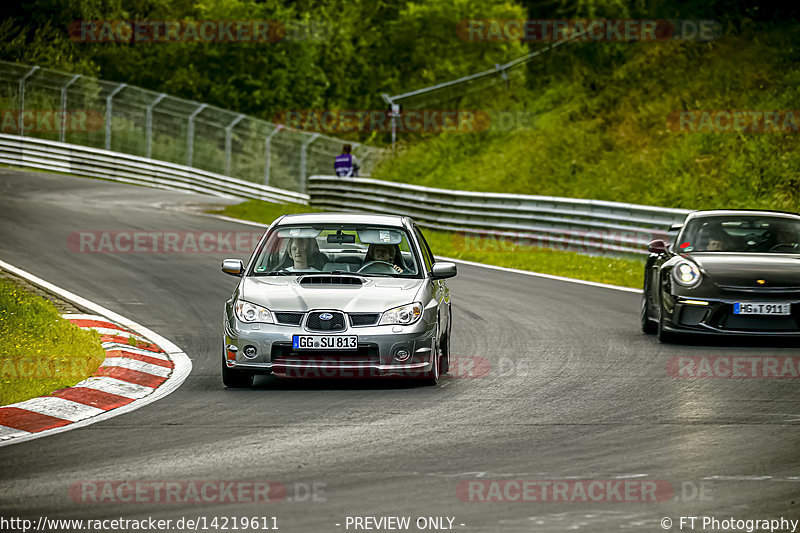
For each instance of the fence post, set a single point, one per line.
(228, 133)
(268, 152)
(304, 159)
(109, 109)
(149, 123)
(22, 98)
(190, 134)
(62, 132)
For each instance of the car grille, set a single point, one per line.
(364, 319)
(290, 319)
(284, 354)
(724, 318)
(315, 323)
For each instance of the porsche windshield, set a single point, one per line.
(754, 234)
(337, 249)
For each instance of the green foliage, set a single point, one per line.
(602, 132)
(39, 351)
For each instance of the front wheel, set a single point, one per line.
(648, 326)
(431, 377)
(664, 336)
(236, 379)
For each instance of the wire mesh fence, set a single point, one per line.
(48, 104)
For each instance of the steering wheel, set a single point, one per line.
(783, 245)
(378, 267)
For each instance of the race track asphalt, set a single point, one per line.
(573, 391)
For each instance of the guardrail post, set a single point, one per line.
(149, 123)
(228, 133)
(268, 152)
(62, 129)
(190, 134)
(22, 98)
(109, 109)
(304, 159)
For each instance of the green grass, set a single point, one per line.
(40, 352)
(624, 272)
(601, 129)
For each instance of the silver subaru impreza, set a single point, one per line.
(338, 294)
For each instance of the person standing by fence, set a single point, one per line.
(346, 164)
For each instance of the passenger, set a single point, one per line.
(388, 253)
(303, 255)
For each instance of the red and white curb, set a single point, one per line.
(130, 377)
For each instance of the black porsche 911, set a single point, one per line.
(727, 272)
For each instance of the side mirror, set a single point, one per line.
(657, 246)
(234, 267)
(443, 270)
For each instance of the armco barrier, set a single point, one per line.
(80, 160)
(593, 226)
(588, 226)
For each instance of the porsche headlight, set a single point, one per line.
(247, 312)
(405, 314)
(686, 274)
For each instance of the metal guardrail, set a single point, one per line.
(80, 160)
(585, 226)
(588, 226)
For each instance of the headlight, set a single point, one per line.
(405, 314)
(247, 312)
(686, 274)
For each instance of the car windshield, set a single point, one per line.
(337, 249)
(754, 234)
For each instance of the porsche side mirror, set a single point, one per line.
(234, 267)
(657, 246)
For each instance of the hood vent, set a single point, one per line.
(331, 280)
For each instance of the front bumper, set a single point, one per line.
(717, 317)
(376, 355)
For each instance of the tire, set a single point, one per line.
(431, 378)
(236, 379)
(648, 326)
(445, 351)
(664, 336)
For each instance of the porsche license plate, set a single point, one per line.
(759, 308)
(325, 342)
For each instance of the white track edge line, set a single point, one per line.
(482, 265)
(183, 365)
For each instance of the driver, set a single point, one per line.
(388, 253)
(786, 237)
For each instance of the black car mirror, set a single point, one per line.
(657, 246)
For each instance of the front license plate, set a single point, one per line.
(756, 308)
(324, 342)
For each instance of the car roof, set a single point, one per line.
(742, 212)
(343, 218)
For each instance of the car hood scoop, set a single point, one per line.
(352, 281)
